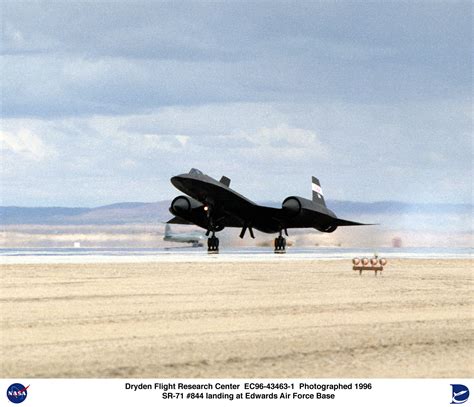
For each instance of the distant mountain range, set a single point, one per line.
(115, 214)
(142, 212)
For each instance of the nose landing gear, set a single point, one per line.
(213, 241)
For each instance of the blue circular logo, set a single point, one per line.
(17, 393)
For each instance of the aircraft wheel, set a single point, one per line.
(280, 243)
(213, 244)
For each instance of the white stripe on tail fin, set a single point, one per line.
(318, 196)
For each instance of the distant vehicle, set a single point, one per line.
(194, 237)
(213, 206)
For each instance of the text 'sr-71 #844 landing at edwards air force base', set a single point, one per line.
(213, 205)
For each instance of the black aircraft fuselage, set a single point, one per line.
(213, 205)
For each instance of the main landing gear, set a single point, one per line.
(212, 241)
(213, 244)
(280, 244)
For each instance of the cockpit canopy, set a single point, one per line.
(195, 171)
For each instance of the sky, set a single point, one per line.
(103, 102)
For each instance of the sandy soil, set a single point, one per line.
(289, 319)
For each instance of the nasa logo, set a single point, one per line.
(17, 393)
(460, 394)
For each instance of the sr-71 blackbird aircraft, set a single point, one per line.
(213, 206)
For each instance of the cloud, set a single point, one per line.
(105, 101)
(24, 144)
(183, 140)
(281, 142)
(362, 153)
(155, 143)
(130, 59)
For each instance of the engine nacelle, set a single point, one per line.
(327, 228)
(293, 205)
(184, 205)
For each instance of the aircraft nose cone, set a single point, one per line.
(177, 180)
(173, 179)
(180, 182)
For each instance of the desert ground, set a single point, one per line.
(307, 318)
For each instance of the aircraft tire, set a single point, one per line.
(213, 244)
(280, 244)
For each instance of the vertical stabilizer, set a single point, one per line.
(318, 196)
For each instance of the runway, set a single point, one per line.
(227, 255)
(216, 319)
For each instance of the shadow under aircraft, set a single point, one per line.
(213, 206)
